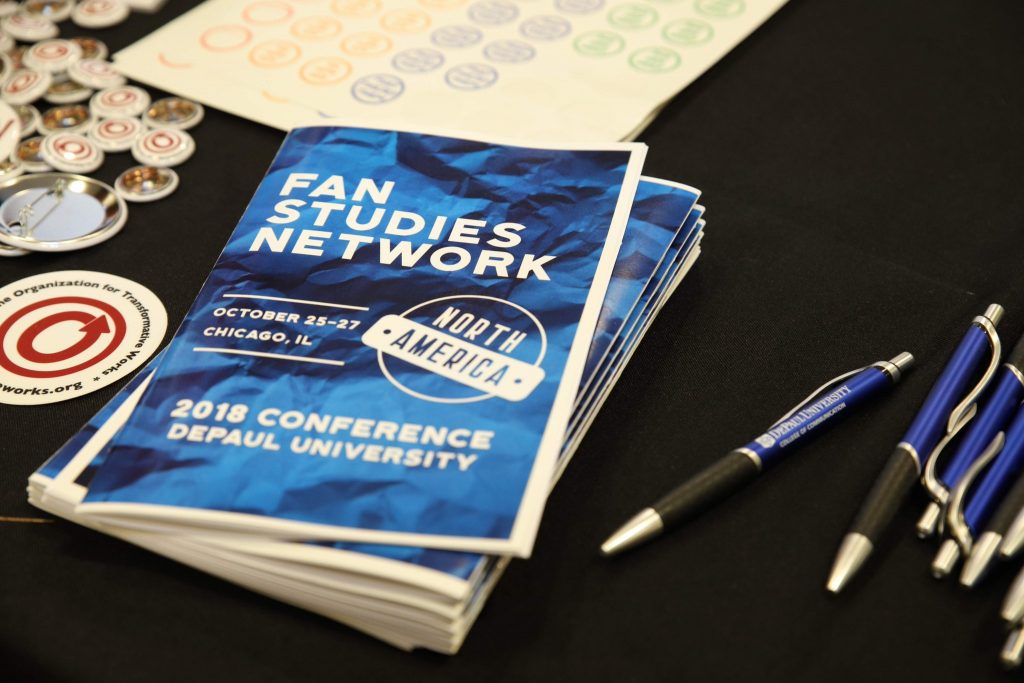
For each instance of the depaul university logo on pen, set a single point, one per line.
(461, 349)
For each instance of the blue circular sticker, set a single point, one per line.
(579, 6)
(545, 28)
(509, 51)
(493, 12)
(471, 76)
(418, 60)
(456, 36)
(378, 88)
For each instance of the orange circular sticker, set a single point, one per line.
(355, 8)
(316, 28)
(225, 38)
(275, 53)
(405, 21)
(267, 12)
(325, 71)
(366, 44)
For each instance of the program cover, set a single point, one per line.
(388, 348)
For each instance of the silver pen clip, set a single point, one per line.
(987, 322)
(818, 392)
(933, 519)
(935, 515)
(961, 543)
(958, 528)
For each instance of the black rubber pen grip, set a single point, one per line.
(1008, 509)
(713, 484)
(891, 487)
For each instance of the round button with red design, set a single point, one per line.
(28, 27)
(100, 13)
(54, 55)
(95, 73)
(163, 147)
(124, 100)
(71, 153)
(116, 135)
(26, 86)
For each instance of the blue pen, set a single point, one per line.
(1006, 394)
(949, 405)
(976, 496)
(740, 466)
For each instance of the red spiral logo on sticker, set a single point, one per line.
(73, 148)
(50, 51)
(161, 141)
(118, 98)
(95, 67)
(22, 82)
(28, 21)
(67, 333)
(112, 129)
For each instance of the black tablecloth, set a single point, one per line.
(861, 163)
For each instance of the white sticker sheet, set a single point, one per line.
(567, 70)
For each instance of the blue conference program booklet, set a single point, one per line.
(657, 207)
(388, 348)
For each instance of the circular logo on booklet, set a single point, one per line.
(461, 349)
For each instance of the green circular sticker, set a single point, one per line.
(655, 60)
(688, 32)
(599, 43)
(632, 17)
(723, 9)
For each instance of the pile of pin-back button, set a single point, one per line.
(46, 204)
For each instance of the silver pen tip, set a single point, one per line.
(980, 558)
(946, 559)
(929, 520)
(1013, 604)
(852, 553)
(1013, 650)
(1013, 538)
(644, 525)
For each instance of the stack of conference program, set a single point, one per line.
(418, 591)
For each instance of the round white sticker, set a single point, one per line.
(69, 333)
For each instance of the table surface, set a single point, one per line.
(861, 164)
